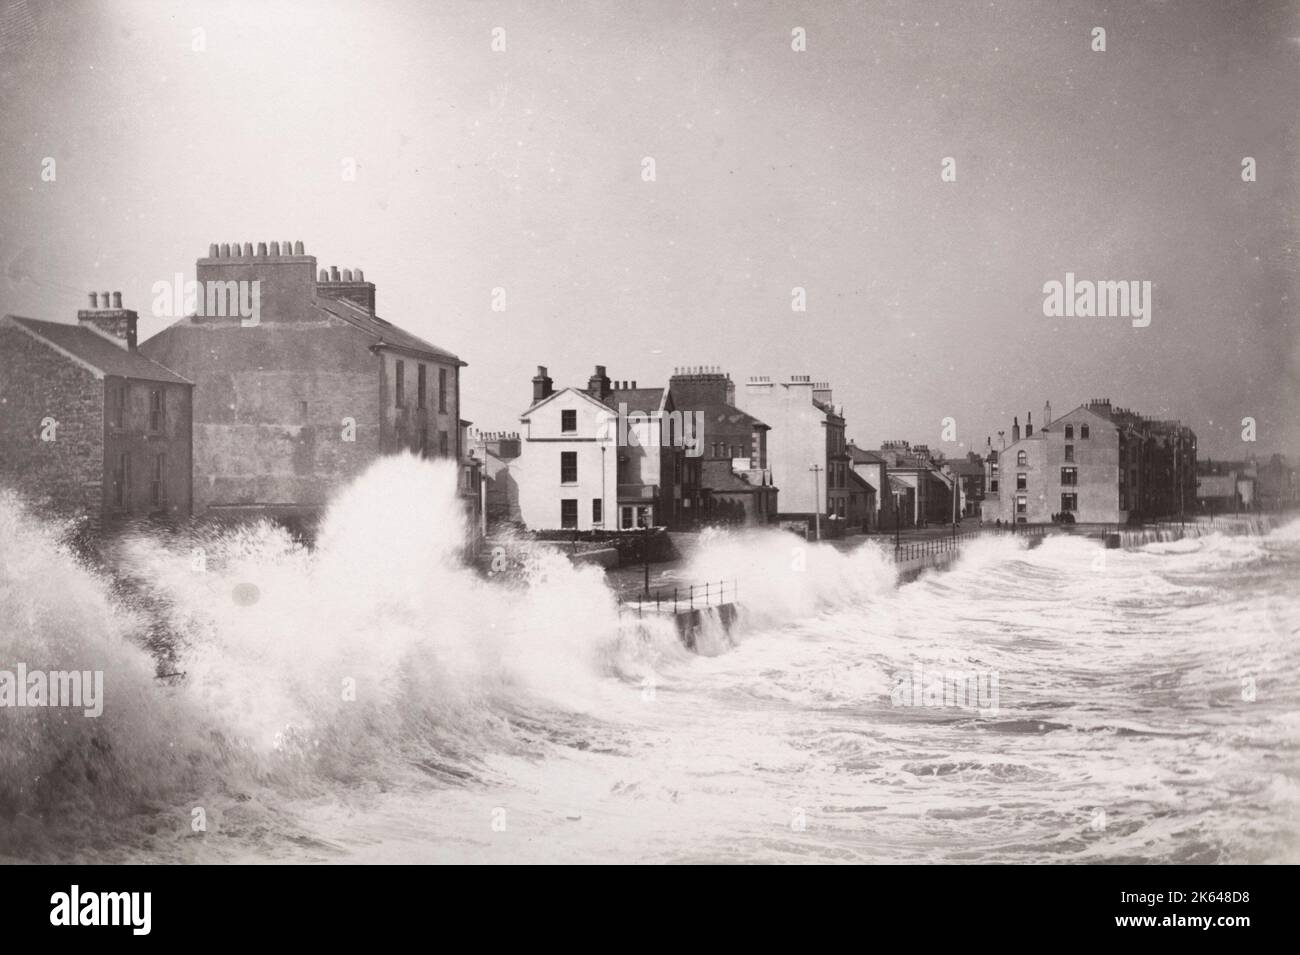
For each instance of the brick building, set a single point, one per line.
(289, 408)
(734, 481)
(88, 424)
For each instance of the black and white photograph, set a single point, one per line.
(733, 432)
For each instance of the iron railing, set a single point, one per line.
(680, 598)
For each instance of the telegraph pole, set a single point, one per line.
(816, 469)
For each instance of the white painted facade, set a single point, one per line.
(544, 485)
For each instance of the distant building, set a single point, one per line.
(971, 472)
(1278, 484)
(1225, 486)
(498, 451)
(931, 500)
(1098, 464)
(732, 478)
(871, 467)
(290, 408)
(806, 448)
(88, 424)
(605, 456)
(863, 516)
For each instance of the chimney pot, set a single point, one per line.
(261, 250)
(324, 276)
(334, 273)
(347, 275)
(225, 250)
(94, 300)
(212, 250)
(297, 247)
(103, 297)
(275, 248)
(117, 299)
(360, 277)
(248, 250)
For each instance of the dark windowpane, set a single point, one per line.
(569, 420)
(568, 467)
(420, 386)
(569, 512)
(156, 410)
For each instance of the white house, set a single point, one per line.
(585, 452)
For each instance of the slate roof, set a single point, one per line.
(383, 331)
(97, 351)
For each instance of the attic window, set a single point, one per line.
(1083, 432)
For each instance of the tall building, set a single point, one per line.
(731, 478)
(88, 424)
(806, 448)
(291, 406)
(1097, 464)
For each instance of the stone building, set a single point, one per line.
(88, 424)
(290, 406)
(1097, 464)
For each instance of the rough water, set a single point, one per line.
(371, 700)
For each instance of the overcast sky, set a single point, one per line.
(774, 169)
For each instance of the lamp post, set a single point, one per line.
(645, 553)
(898, 522)
(955, 479)
(817, 497)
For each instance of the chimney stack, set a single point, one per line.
(1015, 430)
(541, 384)
(1029, 425)
(599, 385)
(107, 317)
(1047, 415)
